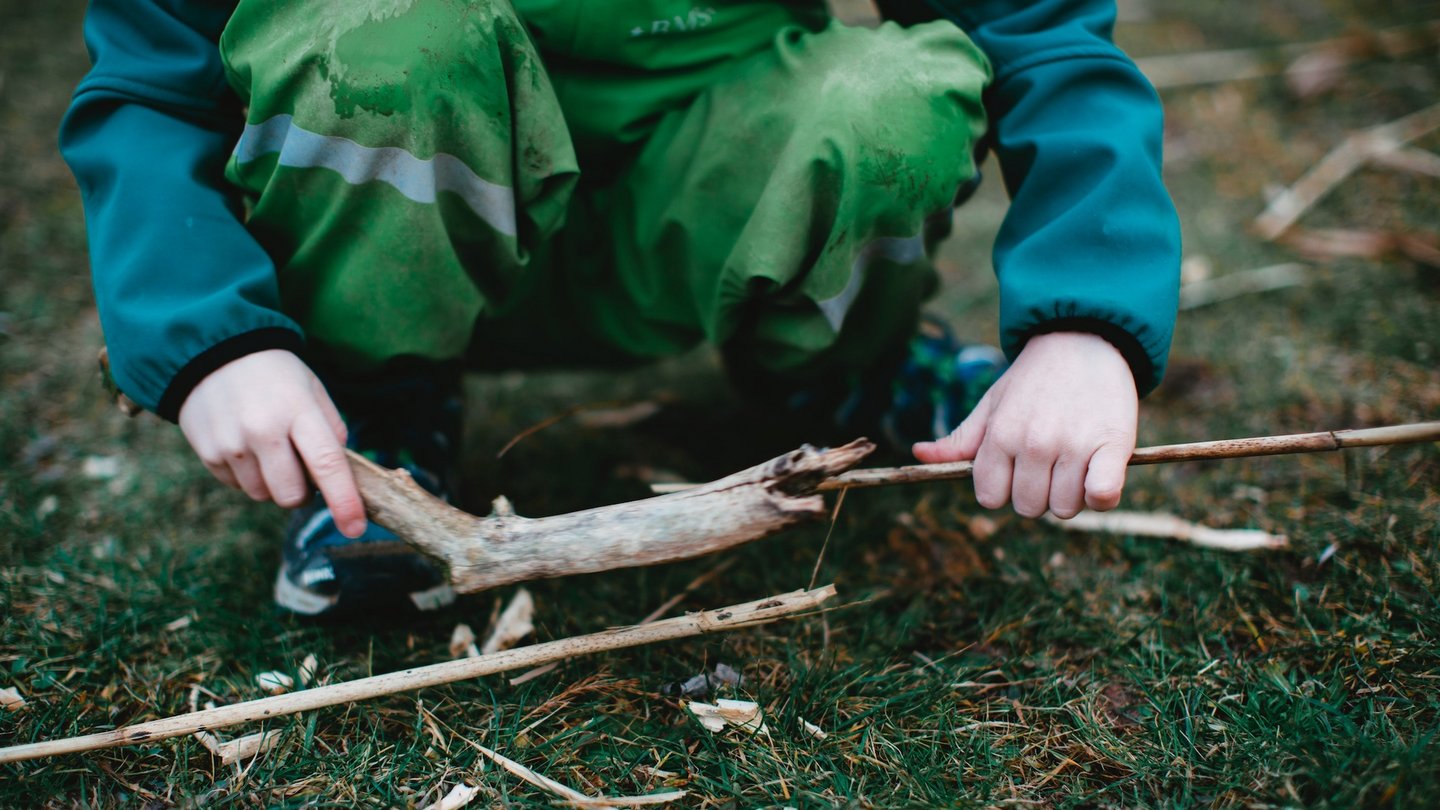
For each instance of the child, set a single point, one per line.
(376, 194)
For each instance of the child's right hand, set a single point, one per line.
(260, 422)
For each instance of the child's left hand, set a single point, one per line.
(1056, 430)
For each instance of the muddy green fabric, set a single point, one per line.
(751, 174)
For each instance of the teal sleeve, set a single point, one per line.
(181, 286)
(1092, 240)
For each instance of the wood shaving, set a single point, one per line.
(514, 624)
(1156, 524)
(239, 749)
(275, 682)
(309, 668)
(462, 642)
(11, 699)
(742, 714)
(458, 797)
(179, 624)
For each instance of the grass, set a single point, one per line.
(994, 661)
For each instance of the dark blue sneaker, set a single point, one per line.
(403, 421)
(937, 385)
(920, 391)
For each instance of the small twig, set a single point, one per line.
(749, 614)
(571, 796)
(548, 421)
(1214, 67)
(1154, 524)
(1264, 279)
(834, 516)
(1360, 148)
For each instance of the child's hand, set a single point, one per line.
(259, 422)
(1056, 430)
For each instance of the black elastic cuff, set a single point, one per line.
(1141, 366)
(200, 366)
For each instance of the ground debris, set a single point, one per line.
(240, 748)
(813, 730)
(699, 686)
(1157, 524)
(742, 714)
(458, 797)
(275, 682)
(462, 642)
(11, 699)
(515, 623)
(570, 796)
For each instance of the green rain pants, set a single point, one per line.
(578, 182)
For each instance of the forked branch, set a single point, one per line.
(486, 552)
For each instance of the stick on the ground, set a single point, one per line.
(1414, 433)
(749, 614)
(1360, 148)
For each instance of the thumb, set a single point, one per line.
(1106, 476)
(962, 444)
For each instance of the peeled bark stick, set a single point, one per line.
(503, 548)
(1414, 433)
(749, 614)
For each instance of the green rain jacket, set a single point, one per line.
(1091, 241)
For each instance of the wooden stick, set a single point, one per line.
(1355, 151)
(749, 614)
(1413, 433)
(1164, 454)
(486, 552)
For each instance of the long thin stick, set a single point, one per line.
(749, 614)
(1413, 433)
(1195, 451)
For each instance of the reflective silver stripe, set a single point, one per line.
(900, 250)
(419, 180)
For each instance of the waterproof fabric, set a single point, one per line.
(412, 173)
(1091, 241)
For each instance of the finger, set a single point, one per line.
(1067, 486)
(1030, 489)
(962, 444)
(331, 413)
(283, 475)
(1106, 476)
(222, 473)
(247, 474)
(325, 459)
(993, 471)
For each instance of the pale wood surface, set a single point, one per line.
(749, 614)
